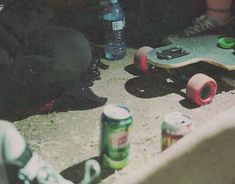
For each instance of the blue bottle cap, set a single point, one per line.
(113, 1)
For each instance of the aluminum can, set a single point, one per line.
(175, 126)
(116, 121)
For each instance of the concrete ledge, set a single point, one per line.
(206, 156)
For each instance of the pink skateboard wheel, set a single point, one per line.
(140, 58)
(201, 89)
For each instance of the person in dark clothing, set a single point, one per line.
(39, 61)
(219, 14)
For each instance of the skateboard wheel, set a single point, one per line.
(226, 42)
(201, 89)
(141, 60)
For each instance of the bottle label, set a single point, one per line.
(118, 25)
(124, 22)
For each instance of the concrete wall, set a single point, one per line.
(206, 156)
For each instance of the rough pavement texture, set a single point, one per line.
(66, 139)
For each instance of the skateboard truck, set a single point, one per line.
(171, 53)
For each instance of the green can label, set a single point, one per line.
(114, 141)
(118, 140)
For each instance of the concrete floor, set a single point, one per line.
(67, 139)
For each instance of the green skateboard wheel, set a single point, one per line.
(226, 42)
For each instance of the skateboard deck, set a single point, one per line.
(201, 49)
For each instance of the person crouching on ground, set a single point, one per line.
(40, 61)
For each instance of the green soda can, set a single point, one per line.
(116, 121)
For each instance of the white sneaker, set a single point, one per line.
(42, 172)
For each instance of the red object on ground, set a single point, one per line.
(140, 58)
(47, 106)
(44, 107)
(201, 89)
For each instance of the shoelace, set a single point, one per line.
(201, 24)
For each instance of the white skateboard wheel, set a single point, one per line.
(140, 58)
(201, 89)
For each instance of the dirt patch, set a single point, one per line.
(67, 139)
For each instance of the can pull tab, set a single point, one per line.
(88, 176)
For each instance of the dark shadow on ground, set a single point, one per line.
(76, 172)
(159, 82)
(131, 69)
(67, 105)
(188, 104)
(150, 85)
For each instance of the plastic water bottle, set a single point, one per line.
(114, 24)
